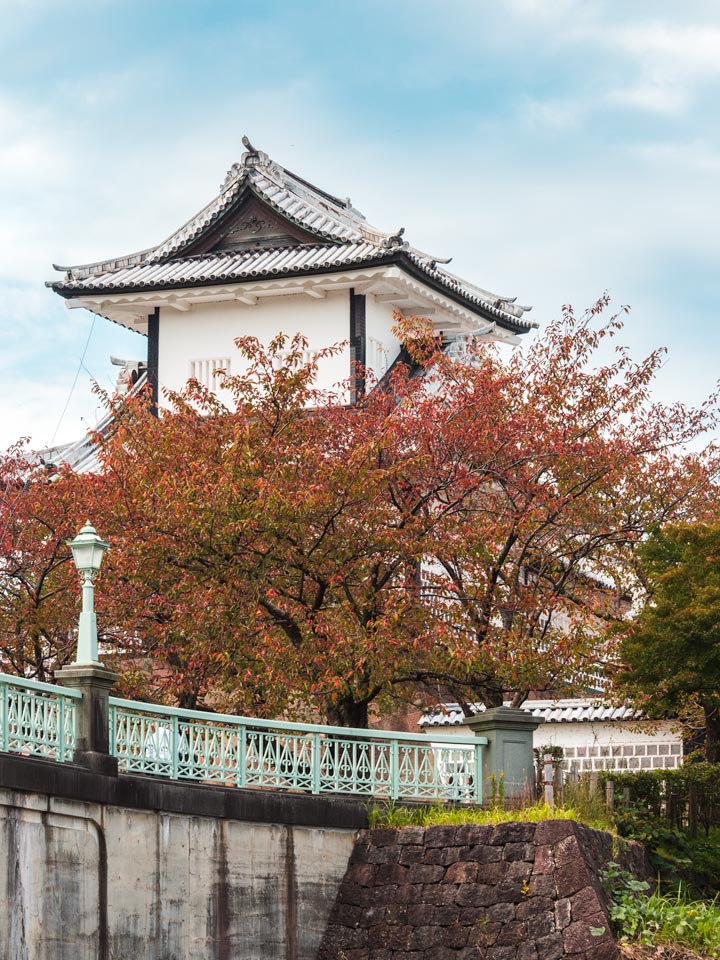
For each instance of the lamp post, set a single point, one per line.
(88, 551)
(86, 673)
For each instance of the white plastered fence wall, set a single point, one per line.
(593, 737)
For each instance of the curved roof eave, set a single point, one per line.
(486, 311)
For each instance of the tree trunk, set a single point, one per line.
(347, 713)
(187, 699)
(712, 731)
(491, 695)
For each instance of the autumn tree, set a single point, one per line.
(466, 526)
(268, 547)
(39, 586)
(671, 652)
(562, 463)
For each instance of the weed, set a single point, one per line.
(661, 918)
(392, 815)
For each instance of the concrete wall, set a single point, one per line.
(94, 880)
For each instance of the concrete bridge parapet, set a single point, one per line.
(133, 867)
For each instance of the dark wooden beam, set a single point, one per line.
(358, 341)
(153, 356)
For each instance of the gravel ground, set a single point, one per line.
(632, 951)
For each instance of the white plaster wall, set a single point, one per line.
(208, 331)
(382, 346)
(601, 733)
(640, 745)
(614, 746)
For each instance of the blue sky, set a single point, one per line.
(554, 148)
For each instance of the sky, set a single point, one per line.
(555, 149)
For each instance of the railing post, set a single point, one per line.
(5, 714)
(478, 773)
(394, 770)
(316, 763)
(174, 748)
(61, 728)
(242, 756)
(92, 727)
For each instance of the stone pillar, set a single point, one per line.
(92, 731)
(509, 753)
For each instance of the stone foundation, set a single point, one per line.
(516, 891)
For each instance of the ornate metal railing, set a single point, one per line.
(243, 752)
(37, 718)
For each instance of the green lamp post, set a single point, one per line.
(88, 551)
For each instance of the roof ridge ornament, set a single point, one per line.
(251, 158)
(395, 241)
(248, 146)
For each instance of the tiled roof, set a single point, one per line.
(547, 711)
(343, 238)
(259, 263)
(327, 217)
(229, 265)
(82, 455)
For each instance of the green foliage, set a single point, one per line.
(660, 918)
(690, 794)
(550, 752)
(666, 845)
(660, 801)
(702, 878)
(588, 803)
(672, 650)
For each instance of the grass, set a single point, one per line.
(392, 815)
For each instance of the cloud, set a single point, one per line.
(672, 63)
(684, 157)
(558, 114)
(674, 48)
(653, 97)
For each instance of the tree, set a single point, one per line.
(465, 526)
(39, 586)
(279, 556)
(671, 651)
(567, 464)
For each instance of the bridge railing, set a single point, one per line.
(244, 752)
(37, 718)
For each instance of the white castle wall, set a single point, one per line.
(207, 332)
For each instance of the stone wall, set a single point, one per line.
(516, 891)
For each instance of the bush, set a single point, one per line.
(688, 796)
(666, 808)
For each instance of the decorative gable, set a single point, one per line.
(255, 225)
